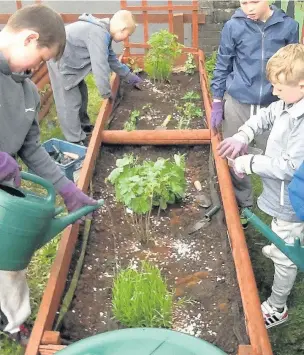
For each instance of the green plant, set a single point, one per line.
(191, 96)
(130, 125)
(141, 298)
(190, 66)
(141, 186)
(187, 112)
(210, 65)
(164, 49)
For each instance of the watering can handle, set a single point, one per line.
(42, 182)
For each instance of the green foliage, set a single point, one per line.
(141, 298)
(190, 66)
(130, 125)
(8, 347)
(188, 112)
(210, 65)
(191, 96)
(142, 186)
(164, 49)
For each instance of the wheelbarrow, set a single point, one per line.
(295, 252)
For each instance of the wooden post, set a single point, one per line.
(178, 27)
(245, 350)
(50, 337)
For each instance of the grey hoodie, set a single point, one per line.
(19, 133)
(89, 48)
(283, 156)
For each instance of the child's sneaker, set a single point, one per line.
(22, 337)
(272, 316)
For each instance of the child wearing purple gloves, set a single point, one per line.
(240, 87)
(32, 35)
(88, 48)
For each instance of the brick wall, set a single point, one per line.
(217, 13)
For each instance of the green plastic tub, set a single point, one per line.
(142, 341)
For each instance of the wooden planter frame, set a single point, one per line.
(45, 341)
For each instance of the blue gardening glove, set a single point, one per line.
(233, 146)
(9, 169)
(133, 79)
(217, 114)
(74, 198)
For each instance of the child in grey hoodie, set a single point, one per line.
(283, 156)
(32, 35)
(88, 48)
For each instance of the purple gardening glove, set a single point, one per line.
(134, 79)
(217, 114)
(232, 147)
(9, 169)
(74, 198)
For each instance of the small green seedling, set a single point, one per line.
(130, 125)
(187, 113)
(190, 66)
(191, 96)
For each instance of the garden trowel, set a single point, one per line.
(163, 126)
(203, 223)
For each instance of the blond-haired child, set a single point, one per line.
(283, 156)
(88, 49)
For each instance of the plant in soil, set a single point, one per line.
(190, 66)
(141, 298)
(164, 49)
(210, 65)
(191, 96)
(187, 112)
(130, 125)
(141, 186)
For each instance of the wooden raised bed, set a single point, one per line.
(43, 340)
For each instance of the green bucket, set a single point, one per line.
(142, 341)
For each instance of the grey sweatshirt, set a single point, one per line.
(89, 48)
(283, 156)
(19, 133)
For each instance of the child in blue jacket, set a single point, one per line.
(254, 33)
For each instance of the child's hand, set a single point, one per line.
(232, 147)
(74, 198)
(9, 169)
(242, 165)
(133, 79)
(217, 114)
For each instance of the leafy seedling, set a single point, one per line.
(190, 66)
(130, 125)
(140, 187)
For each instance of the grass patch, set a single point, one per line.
(141, 298)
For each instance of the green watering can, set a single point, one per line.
(142, 341)
(295, 252)
(27, 222)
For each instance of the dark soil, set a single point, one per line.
(197, 266)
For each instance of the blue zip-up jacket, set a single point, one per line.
(244, 50)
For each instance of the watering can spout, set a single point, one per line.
(59, 224)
